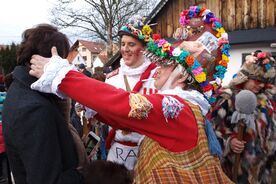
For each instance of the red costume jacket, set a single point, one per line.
(112, 104)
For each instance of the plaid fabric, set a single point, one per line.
(158, 165)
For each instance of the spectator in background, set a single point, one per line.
(2, 85)
(5, 175)
(39, 145)
(258, 146)
(82, 69)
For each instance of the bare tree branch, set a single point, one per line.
(99, 19)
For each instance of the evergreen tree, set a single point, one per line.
(8, 58)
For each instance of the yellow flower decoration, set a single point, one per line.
(200, 77)
(215, 86)
(225, 58)
(166, 47)
(147, 38)
(146, 30)
(220, 31)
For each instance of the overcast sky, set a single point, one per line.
(18, 15)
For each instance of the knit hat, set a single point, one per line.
(136, 29)
(258, 66)
(206, 57)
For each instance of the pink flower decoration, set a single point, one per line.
(261, 55)
(182, 21)
(162, 42)
(223, 41)
(193, 8)
(197, 71)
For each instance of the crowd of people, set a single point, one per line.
(162, 117)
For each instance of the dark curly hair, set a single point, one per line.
(39, 40)
(106, 172)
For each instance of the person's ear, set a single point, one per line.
(179, 80)
(182, 79)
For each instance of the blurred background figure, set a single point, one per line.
(5, 173)
(258, 146)
(82, 69)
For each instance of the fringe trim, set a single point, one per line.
(140, 106)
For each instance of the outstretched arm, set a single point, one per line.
(120, 108)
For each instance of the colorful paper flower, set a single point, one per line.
(200, 77)
(161, 42)
(156, 37)
(176, 52)
(190, 60)
(165, 50)
(166, 47)
(146, 30)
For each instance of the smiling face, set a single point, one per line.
(132, 51)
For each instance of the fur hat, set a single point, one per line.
(136, 29)
(258, 66)
(202, 52)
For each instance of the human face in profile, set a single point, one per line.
(162, 75)
(254, 85)
(132, 51)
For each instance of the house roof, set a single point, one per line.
(155, 11)
(93, 47)
(252, 36)
(114, 61)
(103, 54)
(71, 56)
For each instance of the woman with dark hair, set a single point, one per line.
(40, 147)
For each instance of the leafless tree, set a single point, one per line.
(98, 19)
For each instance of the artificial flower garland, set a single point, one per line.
(169, 53)
(265, 60)
(209, 18)
(143, 34)
(166, 51)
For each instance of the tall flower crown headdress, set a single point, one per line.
(137, 29)
(164, 53)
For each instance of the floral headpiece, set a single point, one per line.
(257, 66)
(137, 29)
(265, 60)
(165, 53)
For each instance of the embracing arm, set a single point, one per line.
(113, 105)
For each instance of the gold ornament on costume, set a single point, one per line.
(140, 106)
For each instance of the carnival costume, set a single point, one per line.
(124, 149)
(177, 146)
(256, 158)
(123, 146)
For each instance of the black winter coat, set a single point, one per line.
(39, 145)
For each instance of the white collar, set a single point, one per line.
(126, 70)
